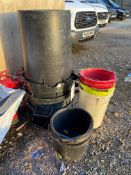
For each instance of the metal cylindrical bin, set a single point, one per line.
(70, 131)
(46, 45)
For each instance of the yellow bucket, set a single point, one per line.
(97, 92)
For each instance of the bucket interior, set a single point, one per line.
(72, 122)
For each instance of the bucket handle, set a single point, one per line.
(59, 139)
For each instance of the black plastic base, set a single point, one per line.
(42, 113)
(44, 92)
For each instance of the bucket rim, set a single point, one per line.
(83, 77)
(97, 92)
(97, 96)
(77, 139)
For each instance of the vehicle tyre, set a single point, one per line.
(121, 18)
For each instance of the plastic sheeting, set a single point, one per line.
(10, 100)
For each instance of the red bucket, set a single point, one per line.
(10, 81)
(98, 78)
(15, 120)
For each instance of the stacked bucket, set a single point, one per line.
(96, 88)
(46, 44)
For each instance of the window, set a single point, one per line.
(114, 4)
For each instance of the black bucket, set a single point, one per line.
(70, 130)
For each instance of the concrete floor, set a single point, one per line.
(108, 149)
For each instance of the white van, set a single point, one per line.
(83, 20)
(101, 10)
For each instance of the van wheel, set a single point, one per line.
(122, 18)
